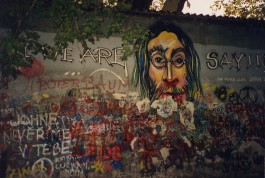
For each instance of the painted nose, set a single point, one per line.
(169, 75)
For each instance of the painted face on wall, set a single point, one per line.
(167, 64)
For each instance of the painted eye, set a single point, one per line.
(178, 62)
(158, 61)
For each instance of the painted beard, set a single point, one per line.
(168, 88)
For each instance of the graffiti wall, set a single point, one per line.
(174, 109)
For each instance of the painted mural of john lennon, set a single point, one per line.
(167, 65)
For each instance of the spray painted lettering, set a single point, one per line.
(234, 60)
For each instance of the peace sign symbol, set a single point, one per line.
(248, 95)
(42, 168)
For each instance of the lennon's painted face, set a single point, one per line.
(167, 64)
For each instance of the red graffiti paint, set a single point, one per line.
(36, 69)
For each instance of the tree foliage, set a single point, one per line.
(82, 20)
(242, 8)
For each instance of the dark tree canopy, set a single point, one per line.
(174, 6)
(140, 4)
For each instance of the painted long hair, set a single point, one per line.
(140, 76)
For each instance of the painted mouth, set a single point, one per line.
(170, 93)
(170, 83)
(168, 88)
(174, 90)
